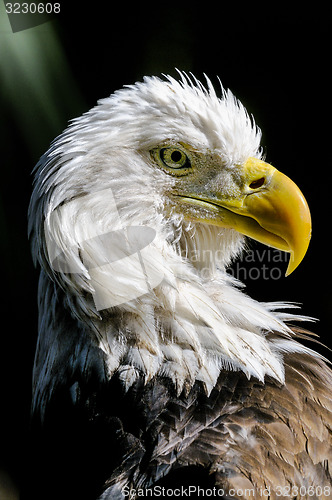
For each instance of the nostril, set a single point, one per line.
(257, 183)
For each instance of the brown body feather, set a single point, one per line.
(256, 440)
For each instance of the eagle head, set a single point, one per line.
(138, 208)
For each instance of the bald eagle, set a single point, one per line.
(154, 372)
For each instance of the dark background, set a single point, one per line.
(275, 59)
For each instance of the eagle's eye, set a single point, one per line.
(172, 158)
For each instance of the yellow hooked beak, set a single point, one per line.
(269, 207)
(274, 212)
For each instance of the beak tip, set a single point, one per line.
(295, 259)
(292, 263)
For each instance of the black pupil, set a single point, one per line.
(176, 156)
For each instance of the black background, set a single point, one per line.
(275, 59)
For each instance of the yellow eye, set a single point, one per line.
(173, 158)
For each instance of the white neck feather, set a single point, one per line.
(196, 322)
